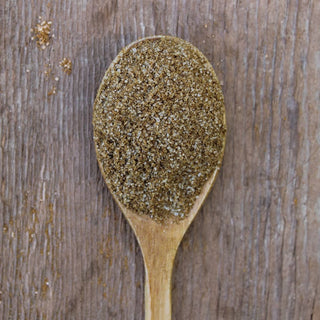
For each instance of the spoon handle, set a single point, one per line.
(158, 269)
(159, 244)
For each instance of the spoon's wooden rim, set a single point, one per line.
(134, 218)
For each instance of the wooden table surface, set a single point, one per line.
(253, 251)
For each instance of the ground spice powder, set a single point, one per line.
(159, 126)
(42, 33)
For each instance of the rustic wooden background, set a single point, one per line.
(253, 252)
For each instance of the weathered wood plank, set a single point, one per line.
(253, 252)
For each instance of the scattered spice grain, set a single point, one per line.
(52, 92)
(42, 33)
(66, 65)
(159, 126)
(45, 287)
(5, 228)
(48, 71)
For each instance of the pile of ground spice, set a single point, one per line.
(42, 33)
(66, 65)
(159, 126)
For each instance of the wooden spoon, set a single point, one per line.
(159, 243)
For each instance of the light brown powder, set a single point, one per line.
(52, 92)
(66, 65)
(42, 33)
(159, 126)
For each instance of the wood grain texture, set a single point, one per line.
(66, 251)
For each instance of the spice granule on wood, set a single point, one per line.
(66, 65)
(42, 33)
(159, 126)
